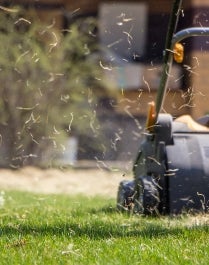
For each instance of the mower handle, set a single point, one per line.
(189, 32)
(177, 37)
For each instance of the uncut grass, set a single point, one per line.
(56, 229)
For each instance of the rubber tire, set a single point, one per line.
(125, 196)
(147, 196)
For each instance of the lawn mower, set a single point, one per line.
(171, 170)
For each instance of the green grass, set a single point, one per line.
(58, 229)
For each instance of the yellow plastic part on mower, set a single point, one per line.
(178, 52)
(151, 117)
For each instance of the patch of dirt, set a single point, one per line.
(90, 182)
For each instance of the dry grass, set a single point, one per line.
(91, 182)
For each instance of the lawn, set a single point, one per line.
(61, 229)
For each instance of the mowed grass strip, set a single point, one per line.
(60, 229)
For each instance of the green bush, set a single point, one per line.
(47, 87)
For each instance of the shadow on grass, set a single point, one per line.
(99, 230)
(107, 209)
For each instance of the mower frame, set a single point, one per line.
(171, 171)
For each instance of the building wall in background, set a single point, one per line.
(130, 106)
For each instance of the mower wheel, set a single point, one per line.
(147, 199)
(125, 195)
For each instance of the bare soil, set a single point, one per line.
(90, 182)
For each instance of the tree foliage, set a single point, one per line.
(48, 87)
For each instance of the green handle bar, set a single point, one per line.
(167, 58)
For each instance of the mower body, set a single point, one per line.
(171, 172)
(177, 160)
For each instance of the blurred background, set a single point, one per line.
(76, 77)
